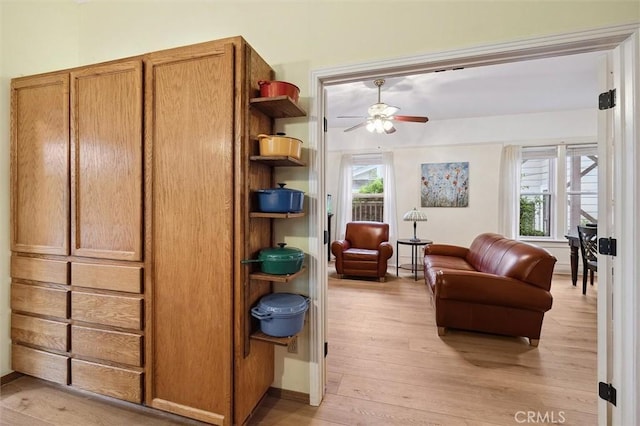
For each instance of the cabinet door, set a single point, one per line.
(190, 118)
(106, 169)
(40, 164)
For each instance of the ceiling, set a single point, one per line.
(541, 85)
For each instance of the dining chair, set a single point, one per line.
(588, 236)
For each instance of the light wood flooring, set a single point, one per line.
(387, 366)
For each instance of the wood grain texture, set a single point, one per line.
(116, 311)
(107, 277)
(33, 402)
(40, 164)
(40, 332)
(40, 300)
(106, 380)
(116, 346)
(187, 411)
(254, 360)
(44, 270)
(106, 167)
(40, 364)
(189, 101)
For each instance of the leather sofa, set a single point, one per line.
(364, 251)
(496, 285)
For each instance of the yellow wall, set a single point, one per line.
(295, 37)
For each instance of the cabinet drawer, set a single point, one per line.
(107, 277)
(40, 364)
(40, 332)
(125, 348)
(39, 300)
(117, 311)
(48, 271)
(116, 382)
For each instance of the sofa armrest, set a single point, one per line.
(489, 289)
(446, 250)
(386, 250)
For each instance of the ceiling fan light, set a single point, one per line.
(370, 126)
(379, 125)
(387, 125)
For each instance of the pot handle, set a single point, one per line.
(257, 313)
(281, 185)
(263, 82)
(281, 245)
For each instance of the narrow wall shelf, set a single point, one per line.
(280, 161)
(278, 107)
(276, 215)
(276, 278)
(280, 341)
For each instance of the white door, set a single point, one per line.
(618, 294)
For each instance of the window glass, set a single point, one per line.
(368, 188)
(582, 185)
(536, 191)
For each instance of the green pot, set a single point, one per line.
(279, 260)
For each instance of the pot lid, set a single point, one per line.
(283, 303)
(281, 188)
(281, 253)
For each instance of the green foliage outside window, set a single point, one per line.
(374, 187)
(528, 208)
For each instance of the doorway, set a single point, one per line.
(588, 41)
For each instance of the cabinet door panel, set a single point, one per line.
(40, 164)
(40, 300)
(106, 170)
(116, 346)
(44, 365)
(40, 332)
(190, 101)
(116, 382)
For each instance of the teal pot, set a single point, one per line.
(280, 260)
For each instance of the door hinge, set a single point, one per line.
(607, 100)
(325, 124)
(326, 349)
(326, 237)
(608, 246)
(607, 392)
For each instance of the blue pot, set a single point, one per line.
(280, 200)
(281, 314)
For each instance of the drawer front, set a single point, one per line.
(107, 277)
(125, 348)
(44, 270)
(116, 382)
(44, 365)
(116, 311)
(39, 300)
(40, 332)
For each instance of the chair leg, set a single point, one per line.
(585, 272)
(534, 342)
(591, 273)
(382, 279)
(442, 331)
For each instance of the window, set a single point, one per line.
(558, 189)
(367, 188)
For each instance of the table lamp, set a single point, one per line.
(415, 216)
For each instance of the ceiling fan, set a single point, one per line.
(381, 116)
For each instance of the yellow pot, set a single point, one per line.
(280, 146)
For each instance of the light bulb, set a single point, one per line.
(387, 125)
(379, 125)
(370, 126)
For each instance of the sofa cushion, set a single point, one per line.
(489, 289)
(360, 254)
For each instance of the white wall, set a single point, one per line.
(295, 37)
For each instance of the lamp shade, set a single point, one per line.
(415, 216)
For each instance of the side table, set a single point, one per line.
(415, 249)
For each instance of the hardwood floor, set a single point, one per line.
(387, 366)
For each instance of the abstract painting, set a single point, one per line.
(444, 185)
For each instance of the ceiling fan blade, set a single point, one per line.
(351, 116)
(357, 126)
(412, 118)
(391, 130)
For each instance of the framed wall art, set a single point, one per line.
(444, 185)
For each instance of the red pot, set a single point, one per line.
(270, 89)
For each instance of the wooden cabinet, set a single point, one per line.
(129, 223)
(106, 166)
(40, 164)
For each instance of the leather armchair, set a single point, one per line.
(364, 251)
